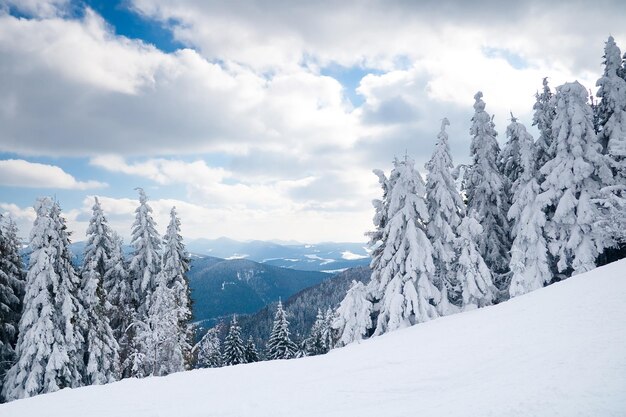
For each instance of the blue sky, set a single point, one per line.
(262, 120)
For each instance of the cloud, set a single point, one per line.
(21, 173)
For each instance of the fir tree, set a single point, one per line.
(101, 348)
(316, 344)
(175, 268)
(544, 112)
(573, 179)
(353, 320)
(510, 164)
(234, 349)
(11, 295)
(120, 304)
(611, 114)
(484, 185)
(158, 336)
(280, 345)
(210, 350)
(530, 267)
(329, 318)
(472, 271)
(49, 344)
(145, 264)
(401, 288)
(251, 353)
(445, 209)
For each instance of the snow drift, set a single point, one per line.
(559, 351)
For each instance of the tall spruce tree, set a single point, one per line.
(611, 115)
(121, 304)
(11, 295)
(573, 179)
(175, 268)
(49, 345)
(486, 196)
(209, 350)
(445, 209)
(101, 347)
(544, 112)
(158, 335)
(472, 272)
(510, 164)
(234, 349)
(280, 345)
(530, 267)
(316, 343)
(401, 288)
(251, 353)
(145, 264)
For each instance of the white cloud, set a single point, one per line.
(21, 173)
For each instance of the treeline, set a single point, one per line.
(532, 213)
(108, 319)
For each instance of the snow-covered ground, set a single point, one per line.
(559, 351)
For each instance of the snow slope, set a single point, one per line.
(559, 351)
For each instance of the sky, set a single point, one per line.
(264, 120)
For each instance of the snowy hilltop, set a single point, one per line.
(556, 351)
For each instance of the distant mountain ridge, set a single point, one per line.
(328, 256)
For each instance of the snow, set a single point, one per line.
(237, 256)
(558, 351)
(350, 256)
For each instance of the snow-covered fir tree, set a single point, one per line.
(251, 353)
(401, 288)
(573, 179)
(280, 345)
(611, 114)
(158, 336)
(510, 164)
(486, 196)
(234, 348)
(472, 271)
(611, 109)
(49, 347)
(316, 343)
(11, 295)
(530, 266)
(353, 318)
(209, 350)
(329, 319)
(445, 209)
(120, 304)
(145, 264)
(101, 348)
(543, 115)
(175, 268)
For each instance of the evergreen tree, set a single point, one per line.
(544, 112)
(251, 353)
(611, 112)
(573, 178)
(145, 264)
(280, 345)
(485, 188)
(234, 349)
(401, 288)
(472, 271)
(316, 344)
(101, 348)
(49, 344)
(120, 304)
(510, 163)
(158, 335)
(445, 209)
(530, 267)
(11, 295)
(210, 350)
(175, 268)
(353, 320)
(329, 318)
